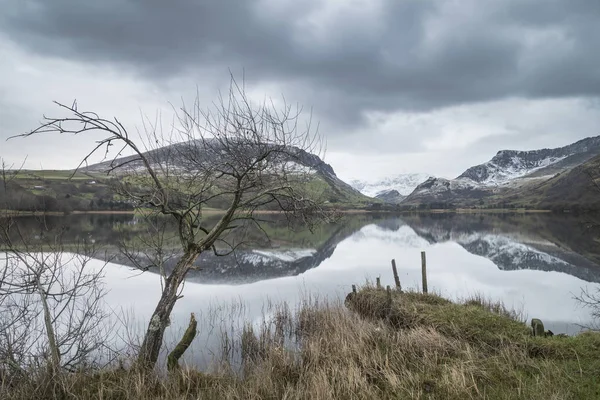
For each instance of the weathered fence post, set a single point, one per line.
(353, 288)
(389, 299)
(424, 271)
(378, 280)
(396, 277)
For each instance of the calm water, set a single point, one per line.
(535, 263)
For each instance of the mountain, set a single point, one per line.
(325, 180)
(441, 190)
(91, 189)
(546, 178)
(189, 155)
(390, 196)
(404, 184)
(577, 188)
(507, 165)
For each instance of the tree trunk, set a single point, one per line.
(160, 318)
(54, 350)
(182, 346)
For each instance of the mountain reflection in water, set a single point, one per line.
(543, 242)
(534, 263)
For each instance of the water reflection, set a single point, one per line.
(516, 242)
(543, 242)
(535, 263)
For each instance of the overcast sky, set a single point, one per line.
(397, 85)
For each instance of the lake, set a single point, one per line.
(534, 263)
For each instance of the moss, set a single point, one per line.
(470, 322)
(510, 362)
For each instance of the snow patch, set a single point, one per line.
(517, 168)
(257, 257)
(403, 183)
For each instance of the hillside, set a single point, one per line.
(59, 191)
(577, 188)
(542, 179)
(391, 196)
(324, 182)
(91, 189)
(507, 165)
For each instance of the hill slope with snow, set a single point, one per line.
(508, 165)
(519, 178)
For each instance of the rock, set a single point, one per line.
(538, 327)
(349, 299)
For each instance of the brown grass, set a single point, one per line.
(416, 347)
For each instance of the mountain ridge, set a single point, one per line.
(507, 165)
(514, 178)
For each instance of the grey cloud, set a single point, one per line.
(423, 58)
(383, 64)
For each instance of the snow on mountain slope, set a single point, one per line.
(508, 176)
(446, 190)
(508, 165)
(403, 183)
(441, 185)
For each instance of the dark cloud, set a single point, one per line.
(431, 85)
(410, 55)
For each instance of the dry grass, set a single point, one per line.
(414, 347)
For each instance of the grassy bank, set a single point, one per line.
(407, 346)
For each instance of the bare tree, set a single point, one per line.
(242, 157)
(591, 299)
(51, 311)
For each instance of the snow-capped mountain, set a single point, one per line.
(443, 190)
(404, 184)
(441, 185)
(507, 165)
(511, 177)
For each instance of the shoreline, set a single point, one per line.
(12, 213)
(377, 343)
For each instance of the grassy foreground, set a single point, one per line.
(407, 346)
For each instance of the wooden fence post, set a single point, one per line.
(396, 277)
(353, 288)
(378, 280)
(424, 271)
(389, 299)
